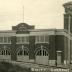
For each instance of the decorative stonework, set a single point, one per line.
(22, 27)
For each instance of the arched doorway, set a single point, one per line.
(23, 55)
(5, 54)
(42, 56)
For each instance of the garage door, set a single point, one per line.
(5, 55)
(42, 57)
(23, 55)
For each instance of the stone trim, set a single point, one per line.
(52, 62)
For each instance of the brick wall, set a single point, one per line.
(13, 48)
(31, 47)
(59, 40)
(52, 50)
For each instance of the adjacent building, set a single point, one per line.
(42, 46)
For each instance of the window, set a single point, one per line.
(37, 38)
(9, 39)
(24, 39)
(20, 52)
(5, 52)
(5, 40)
(18, 39)
(1, 39)
(23, 52)
(46, 38)
(42, 52)
(40, 39)
(39, 53)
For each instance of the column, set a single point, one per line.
(59, 58)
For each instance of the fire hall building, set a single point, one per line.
(41, 46)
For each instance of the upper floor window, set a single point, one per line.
(1, 39)
(40, 39)
(24, 39)
(5, 40)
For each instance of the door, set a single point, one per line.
(23, 55)
(42, 57)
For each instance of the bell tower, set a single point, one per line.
(68, 16)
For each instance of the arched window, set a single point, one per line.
(42, 52)
(4, 52)
(23, 52)
(20, 52)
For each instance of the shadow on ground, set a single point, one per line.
(8, 67)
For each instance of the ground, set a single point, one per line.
(8, 67)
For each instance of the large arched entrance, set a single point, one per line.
(5, 53)
(42, 56)
(23, 55)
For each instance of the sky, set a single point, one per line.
(44, 14)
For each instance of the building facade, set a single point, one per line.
(42, 46)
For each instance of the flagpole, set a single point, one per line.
(23, 14)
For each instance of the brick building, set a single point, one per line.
(42, 46)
